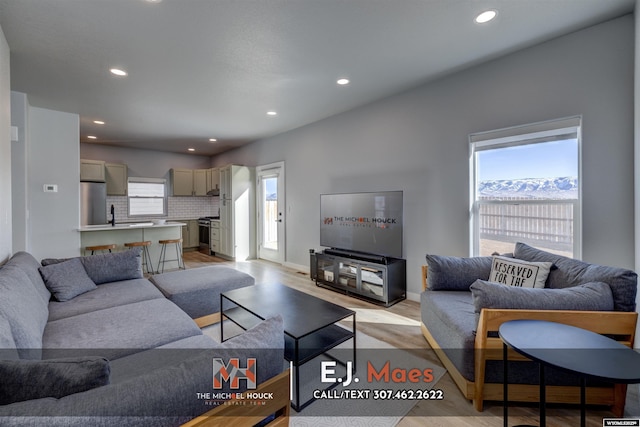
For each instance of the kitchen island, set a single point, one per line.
(91, 235)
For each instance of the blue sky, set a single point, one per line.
(271, 185)
(542, 160)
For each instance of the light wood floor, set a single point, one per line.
(399, 325)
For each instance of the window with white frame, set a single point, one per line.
(147, 197)
(525, 187)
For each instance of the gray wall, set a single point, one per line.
(53, 155)
(5, 152)
(417, 142)
(20, 172)
(637, 153)
(143, 163)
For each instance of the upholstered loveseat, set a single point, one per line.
(89, 341)
(462, 310)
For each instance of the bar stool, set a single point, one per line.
(100, 248)
(163, 253)
(146, 258)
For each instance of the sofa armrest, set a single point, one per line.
(248, 415)
(424, 277)
(620, 326)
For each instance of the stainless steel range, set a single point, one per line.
(204, 232)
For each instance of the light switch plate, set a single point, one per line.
(51, 188)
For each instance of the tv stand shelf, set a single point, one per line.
(376, 278)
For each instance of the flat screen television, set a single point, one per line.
(362, 222)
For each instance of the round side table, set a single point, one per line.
(585, 353)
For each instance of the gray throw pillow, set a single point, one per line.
(449, 273)
(49, 261)
(67, 280)
(571, 272)
(114, 267)
(595, 296)
(36, 379)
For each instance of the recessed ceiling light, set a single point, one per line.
(212, 140)
(271, 113)
(98, 122)
(92, 137)
(191, 149)
(343, 82)
(153, 1)
(486, 16)
(118, 72)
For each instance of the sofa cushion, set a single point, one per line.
(571, 272)
(158, 397)
(27, 263)
(25, 311)
(516, 272)
(67, 280)
(449, 316)
(449, 273)
(104, 296)
(8, 350)
(35, 379)
(197, 290)
(118, 331)
(594, 296)
(113, 267)
(260, 341)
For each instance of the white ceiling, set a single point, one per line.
(201, 69)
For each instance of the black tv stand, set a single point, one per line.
(381, 259)
(377, 278)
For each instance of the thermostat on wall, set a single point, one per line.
(51, 188)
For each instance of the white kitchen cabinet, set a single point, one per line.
(116, 176)
(92, 170)
(214, 179)
(237, 212)
(214, 240)
(182, 182)
(200, 182)
(190, 234)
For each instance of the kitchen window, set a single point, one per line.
(147, 197)
(525, 187)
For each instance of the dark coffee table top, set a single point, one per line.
(303, 314)
(573, 349)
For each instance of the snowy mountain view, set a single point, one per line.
(561, 188)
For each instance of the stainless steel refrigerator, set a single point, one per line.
(93, 203)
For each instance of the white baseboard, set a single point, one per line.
(412, 296)
(303, 268)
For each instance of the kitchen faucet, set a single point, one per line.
(113, 216)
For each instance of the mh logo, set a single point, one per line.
(232, 372)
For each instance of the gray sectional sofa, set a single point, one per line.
(89, 341)
(462, 310)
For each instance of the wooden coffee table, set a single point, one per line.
(310, 323)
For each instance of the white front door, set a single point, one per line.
(271, 212)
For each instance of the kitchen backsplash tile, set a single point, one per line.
(178, 208)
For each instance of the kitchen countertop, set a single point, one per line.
(125, 226)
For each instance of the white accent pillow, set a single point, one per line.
(516, 272)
